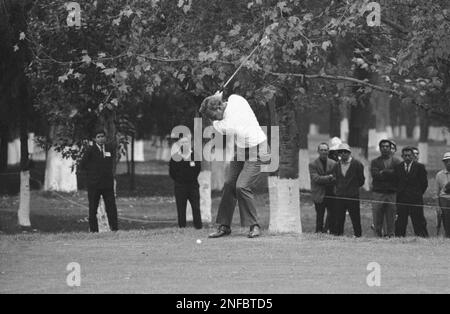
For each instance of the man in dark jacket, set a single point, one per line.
(184, 171)
(384, 188)
(98, 162)
(412, 182)
(322, 176)
(349, 174)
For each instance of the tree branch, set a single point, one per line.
(395, 26)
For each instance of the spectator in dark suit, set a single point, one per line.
(412, 182)
(443, 193)
(184, 171)
(98, 162)
(322, 176)
(349, 174)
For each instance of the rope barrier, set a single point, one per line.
(370, 201)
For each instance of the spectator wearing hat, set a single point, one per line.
(412, 182)
(443, 193)
(334, 145)
(184, 171)
(322, 176)
(384, 188)
(98, 161)
(350, 178)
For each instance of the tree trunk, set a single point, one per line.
(133, 172)
(284, 189)
(381, 110)
(14, 152)
(302, 121)
(204, 180)
(24, 99)
(4, 134)
(335, 118)
(60, 176)
(423, 139)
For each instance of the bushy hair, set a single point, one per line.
(210, 106)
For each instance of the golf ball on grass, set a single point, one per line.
(199, 241)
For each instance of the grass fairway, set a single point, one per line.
(171, 261)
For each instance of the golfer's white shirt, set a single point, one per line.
(240, 120)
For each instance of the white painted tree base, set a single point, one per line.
(313, 129)
(204, 180)
(345, 129)
(303, 168)
(416, 133)
(403, 133)
(23, 214)
(284, 195)
(138, 151)
(14, 152)
(59, 176)
(356, 153)
(102, 219)
(423, 153)
(219, 169)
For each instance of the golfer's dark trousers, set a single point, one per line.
(109, 198)
(185, 192)
(326, 205)
(417, 217)
(240, 182)
(445, 207)
(352, 205)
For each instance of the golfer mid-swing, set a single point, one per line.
(236, 119)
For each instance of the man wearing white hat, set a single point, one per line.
(443, 193)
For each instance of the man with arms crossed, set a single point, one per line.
(322, 176)
(384, 189)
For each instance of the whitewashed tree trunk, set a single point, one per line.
(345, 129)
(396, 131)
(159, 149)
(103, 225)
(303, 168)
(166, 151)
(423, 153)
(403, 132)
(284, 196)
(204, 180)
(416, 133)
(389, 131)
(218, 170)
(138, 151)
(357, 153)
(14, 152)
(59, 176)
(313, 129)
(24, 205)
